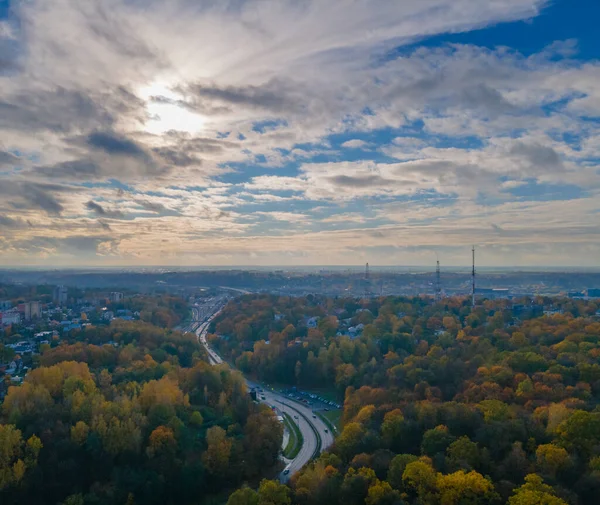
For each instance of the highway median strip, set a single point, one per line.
(317, 450)
(296, 439)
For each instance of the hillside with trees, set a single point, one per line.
(131, 414)
(443, 404)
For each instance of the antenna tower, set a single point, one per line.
(473, 275)
(438, 283)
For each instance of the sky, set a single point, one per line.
(299, 132)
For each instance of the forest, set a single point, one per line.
(444, 404)
(132, 414)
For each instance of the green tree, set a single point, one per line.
(356, 484)
(397, 467)
(392, 428)
(436, 440)
(463, 454)
(243, 496)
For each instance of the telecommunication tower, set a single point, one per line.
(438, 283)
(473, 278)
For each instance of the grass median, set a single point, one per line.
(296, 439)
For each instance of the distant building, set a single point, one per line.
(11, 317)
(60, 295)
(575, 294)
(553, 312)
(5, 305)
(593, 292)
(116, 297)
(25, 310)
(30, 310)
(493, 293)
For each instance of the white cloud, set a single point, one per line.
(355, 144)
(88, 75)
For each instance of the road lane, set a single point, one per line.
(316, 435)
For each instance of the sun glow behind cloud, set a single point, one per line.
(167, 110)
(279, 131)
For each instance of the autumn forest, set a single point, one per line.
(443, 404)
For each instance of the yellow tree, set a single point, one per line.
(273, 493)
(551, 458)
(12, 451)
(218, 452)
(420, 478)
(162, 442)
(79, 432)
(462, 487)
(243, 496)
(535, 492)
(381, 493)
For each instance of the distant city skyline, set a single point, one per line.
(285, 133)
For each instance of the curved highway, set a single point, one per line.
(316, 435)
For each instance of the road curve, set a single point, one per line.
(316, 435)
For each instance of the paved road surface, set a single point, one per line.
(314, 431)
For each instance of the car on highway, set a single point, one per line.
(326, 430)
(314, 417)
(286, 471)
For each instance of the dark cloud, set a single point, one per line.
(104, 225)
(275, 96)
(115, 144)
(93, 167)
(7, 159)
(23, 195)
(76, 169)
(175, 157)
(210, 146)
(64, 111)
(102, 212)
(484, 97)
(9, 51)
(151, 206)
(363, 181)
(538, 155)
(15, 224)
(77, 244)
(60, 110)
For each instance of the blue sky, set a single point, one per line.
(265, 132)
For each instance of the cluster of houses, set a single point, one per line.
(346, 329)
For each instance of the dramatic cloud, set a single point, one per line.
(102, 212)
(282, 131)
